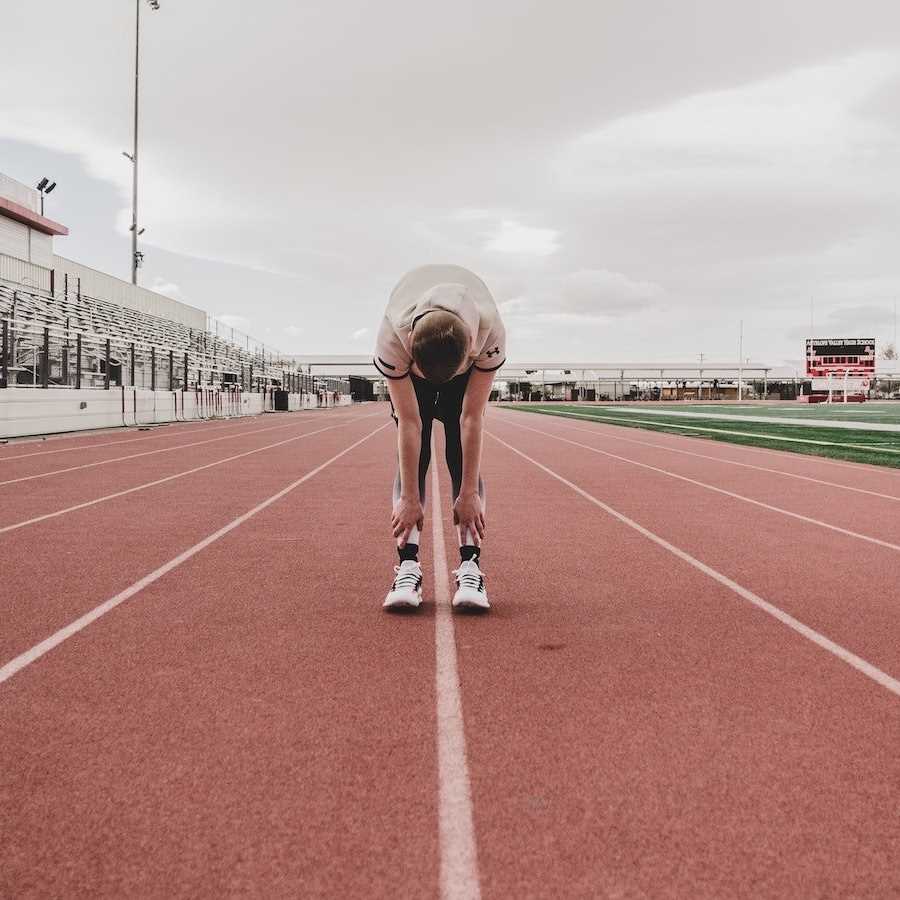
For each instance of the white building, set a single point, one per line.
(27, 258)
(26, 237)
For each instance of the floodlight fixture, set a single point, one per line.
(42, 186)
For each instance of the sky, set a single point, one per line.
(631, 179)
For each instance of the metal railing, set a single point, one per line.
(40, 348)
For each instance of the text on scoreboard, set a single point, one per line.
(840, 355)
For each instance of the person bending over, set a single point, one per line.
(439, 345)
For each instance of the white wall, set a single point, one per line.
(13, 238)
(26, 411)
(29, 411)
(23, 243)
(19, 193)
(106, 287)
(40, 248)
(22, 272)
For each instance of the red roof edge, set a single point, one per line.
(23, 214)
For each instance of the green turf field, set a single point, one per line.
(858, 445)
(887, 412)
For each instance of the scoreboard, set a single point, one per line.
(840, 356)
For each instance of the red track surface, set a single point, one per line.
(249, 722)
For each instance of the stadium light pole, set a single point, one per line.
(133, 156)
(45, 186)
(741, 363)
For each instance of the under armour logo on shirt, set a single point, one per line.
(494, 352)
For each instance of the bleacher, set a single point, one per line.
(69, 339)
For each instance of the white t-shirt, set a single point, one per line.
(452, 288)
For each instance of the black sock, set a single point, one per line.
(410, 551)
(469, 551)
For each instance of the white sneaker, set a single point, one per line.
(470, 592)
(406, 590)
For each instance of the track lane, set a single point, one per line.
(62, 567)
(35, 466)
(695, 448)
(635, 729)
(28, 501)
(250, 723)
(834, 583)
(877, 478)
(28, 448)
(870, 516)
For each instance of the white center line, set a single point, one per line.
(866, 668)
(711, 487)
(29, 656)
(456, 831)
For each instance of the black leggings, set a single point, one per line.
(442, 402)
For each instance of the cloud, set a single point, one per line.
(763, 167)
(515, 238)
(790, 130)
(293, 330)
(865, 320)
(599, 292)
(584, 294)
(169, 288)
(232, 320)
(513, 306)
(359, 334)
(472, 214)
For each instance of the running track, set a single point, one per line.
(687, 686)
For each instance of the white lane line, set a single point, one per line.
(857, 662)
(731, 462)
(115, 459)
(29, 656)
(769, 437)
(456, 830)
(837, 424)
(711, 487)
(883, 471)
(149, 484)
(246, 420)
(146, 437)
(177, 429)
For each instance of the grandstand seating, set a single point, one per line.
(135, 340)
